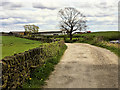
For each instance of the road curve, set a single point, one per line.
(85, 66)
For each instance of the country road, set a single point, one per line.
(85, 66)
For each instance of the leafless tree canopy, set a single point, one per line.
(71, 20)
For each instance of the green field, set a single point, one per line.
(108, 35)
(12, 45)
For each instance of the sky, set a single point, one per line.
(102, 15)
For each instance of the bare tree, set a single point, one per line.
(71, 20)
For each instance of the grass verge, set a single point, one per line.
(113, 49)
(40, 74)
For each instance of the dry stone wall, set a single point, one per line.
(16, 68)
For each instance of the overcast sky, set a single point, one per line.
(102, 15)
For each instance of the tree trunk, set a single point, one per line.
(70, 36)
(71, 33)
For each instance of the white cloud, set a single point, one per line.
(44, 13)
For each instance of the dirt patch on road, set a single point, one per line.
(85, 66)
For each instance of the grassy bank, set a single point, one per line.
(12, 45)
(40, 74)
(100, 39)
(115, 48)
